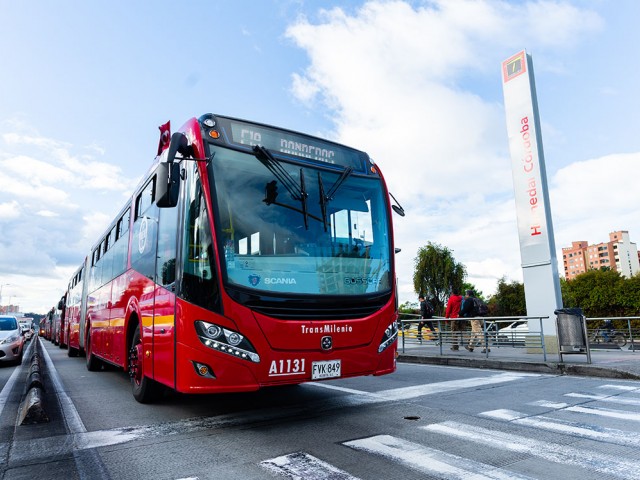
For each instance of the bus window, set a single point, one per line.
(145, 228)
(199, 282)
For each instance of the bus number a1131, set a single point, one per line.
(289, 366)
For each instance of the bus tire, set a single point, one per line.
(72, 352)
(144, 389)
(93, 364)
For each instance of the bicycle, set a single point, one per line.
(598, 336)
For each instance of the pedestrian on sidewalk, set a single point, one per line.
(452, 312)
(426, 312)
(468, 310)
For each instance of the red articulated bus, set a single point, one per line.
(249, 256)
(75, 309)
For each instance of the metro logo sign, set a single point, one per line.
(514, 66)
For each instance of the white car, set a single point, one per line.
(515, 332)
(27, 330)
(11, 340)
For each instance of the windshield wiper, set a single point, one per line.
(297, 192)
(325, 199)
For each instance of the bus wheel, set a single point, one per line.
(93, 363)
(72, 352)
(144, 389)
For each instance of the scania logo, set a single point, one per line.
(279, 281)
(326, 343)
(254, 279)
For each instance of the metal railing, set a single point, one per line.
(495, 332)
(600, 337)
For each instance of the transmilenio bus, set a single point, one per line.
(249, 256)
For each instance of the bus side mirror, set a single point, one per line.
(398, 210)
(167, 185)
(396, 206)
(179, 144)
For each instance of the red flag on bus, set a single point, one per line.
(165, 137)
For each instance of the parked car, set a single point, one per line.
(515, 332)
(11, 340)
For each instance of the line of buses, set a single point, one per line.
(249, 256)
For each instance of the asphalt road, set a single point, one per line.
(424, 421)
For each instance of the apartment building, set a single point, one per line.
(618, 254)
(573, 258)
(625, 254)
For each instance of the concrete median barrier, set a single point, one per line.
(32, 409)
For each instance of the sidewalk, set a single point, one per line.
(609, 363)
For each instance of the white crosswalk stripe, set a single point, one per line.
(549, 451)
(606, 412)
(302, 466)
(429, 460)
(605, 398)
(442, 464)
(576, 429)
(625, 388)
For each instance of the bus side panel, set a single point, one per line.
(119, 301)
(73, 322)
(146, 304)
(164, 337)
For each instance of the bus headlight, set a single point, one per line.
(226, 341)
(389, 336)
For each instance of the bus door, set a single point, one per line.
(164, 321)
(153, 255)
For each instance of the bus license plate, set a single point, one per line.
(330, 369)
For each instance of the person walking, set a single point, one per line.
(426, 312)
(468, 310)
(452, 311)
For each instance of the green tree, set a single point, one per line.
(409, 307)
(628, 297)
(476, 291)
(509, 300)
(596, 292)
(436, 273)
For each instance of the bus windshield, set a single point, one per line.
(285, 227)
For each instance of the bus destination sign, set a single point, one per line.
(284, 141)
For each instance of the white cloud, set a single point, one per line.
(47, 213)
(54, 203)
(9, 210)
(596, 197)
(391, 74)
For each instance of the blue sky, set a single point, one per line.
(416, 84)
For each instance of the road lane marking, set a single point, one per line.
(6, 390)
(606, 398)
(563, 454)
(88, 464)
(548, 404)
(415, 391)
(606, 412)
(71, 415)
(626, 388)
(449, 386)
(429, 460)
(575, 429)
(302, 466)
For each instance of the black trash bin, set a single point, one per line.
(572, 332)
